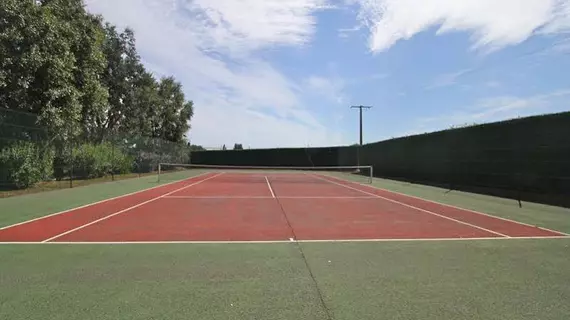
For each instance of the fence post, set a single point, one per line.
(112, 160)
(71, 165)
(158, 179)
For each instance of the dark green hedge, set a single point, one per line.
(297, 157)
(527, 154)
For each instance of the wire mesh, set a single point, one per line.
(34, 159)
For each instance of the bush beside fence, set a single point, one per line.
(29, 155)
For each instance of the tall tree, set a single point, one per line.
(81, 76)
(91, 64)
(39, 61)
(115, 77)
(50, 61)
(145, 98)
(174, 112)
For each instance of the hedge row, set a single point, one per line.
(89, 161)
(24, 164)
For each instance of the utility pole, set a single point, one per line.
(360, 107)
(360, 144)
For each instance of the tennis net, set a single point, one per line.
(258, 174)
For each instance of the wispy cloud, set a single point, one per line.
(493, 24)
(562, 46)
(346, 32)
(212, 48)
(331, 88)
(492, 84)
(223, 24)
(500, 108)
(448, 79)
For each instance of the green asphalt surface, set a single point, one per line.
(468, 279)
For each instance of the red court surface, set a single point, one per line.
(268, 207)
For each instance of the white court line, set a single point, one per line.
(101, 201)
(416, 208)
(452, 206)
(218, 197)
(267, 197)
(129, 208)
(269, 186)
(285, 241)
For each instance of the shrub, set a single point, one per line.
(24, 164)
(92, 161)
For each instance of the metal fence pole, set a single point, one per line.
(71, 165)
(112, 161)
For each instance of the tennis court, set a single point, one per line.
(227, 243)
(265, 205)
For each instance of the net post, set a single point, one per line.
(371, 174)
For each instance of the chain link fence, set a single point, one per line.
(34, 159)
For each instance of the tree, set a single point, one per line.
(38, 42)
(138, 104)
(174, 112)
(145, 97)
(66, 74)
(120, 76)
(91, 64)
(238, 146)
(194, 147)
(82, 76)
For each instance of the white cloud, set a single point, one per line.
(256, 129)
(330, 88)
(252, 24)
(499, 108)
(346, 32)
(448, 79)
(493, 24)
(211, 47)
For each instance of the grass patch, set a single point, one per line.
(506, 279)
(509, 280)
(156, 282)
(45, 186)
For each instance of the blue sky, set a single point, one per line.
(284, 73)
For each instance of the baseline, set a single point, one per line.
(284, 241)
